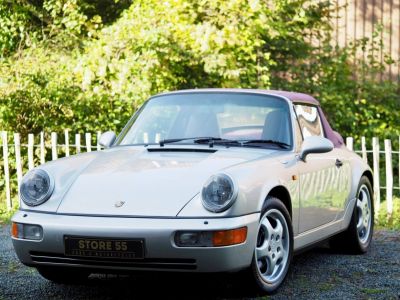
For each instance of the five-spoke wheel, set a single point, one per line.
(364, 217)
(274, 246)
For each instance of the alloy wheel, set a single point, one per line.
(272, 249)
(364, 216)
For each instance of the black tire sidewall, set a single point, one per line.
(273, 203)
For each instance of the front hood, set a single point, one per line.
(135, 181)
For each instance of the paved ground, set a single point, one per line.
(317, 274)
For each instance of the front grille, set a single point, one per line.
(148, 263)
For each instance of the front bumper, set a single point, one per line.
(161, 253)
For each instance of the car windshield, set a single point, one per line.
(254, 120)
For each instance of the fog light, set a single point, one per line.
(194, 239)
(26, 231)
(211, 238)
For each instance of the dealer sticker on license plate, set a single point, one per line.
(104, 247)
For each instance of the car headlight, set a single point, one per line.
(218, 193)
(36, 187)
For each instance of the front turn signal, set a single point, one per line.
(14, 230)
(229, 237)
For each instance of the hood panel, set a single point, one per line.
(149, 183)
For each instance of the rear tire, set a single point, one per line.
(64, 275)
(274, 247)
(357, 237)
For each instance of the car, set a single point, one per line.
(203, 180)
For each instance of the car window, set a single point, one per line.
(238, 122)
(234, 116)
(156, 123)
(309, 120)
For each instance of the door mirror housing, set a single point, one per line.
(315, 144)
(107, 139)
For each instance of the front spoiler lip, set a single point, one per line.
(158, 233)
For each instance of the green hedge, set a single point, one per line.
(75, 65)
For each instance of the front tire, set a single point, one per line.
(274, 247)
(357, 237)
(64, 275)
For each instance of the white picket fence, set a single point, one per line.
(388, 153)
(373, 155)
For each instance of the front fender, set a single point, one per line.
(64, 172)
(255, 180)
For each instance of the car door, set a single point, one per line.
(319, 176)
(342, 180)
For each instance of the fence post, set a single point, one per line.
(349, 143)
(389, 177)
(364, 149)
(78, 142)
(157, 138)
(6, 170)
(31, 142)
(54, 155)
(377, 191)
(88, 138)
(42, 149)
(66, 134)
(18, 165)
(98, 140)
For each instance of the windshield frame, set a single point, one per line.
(287, 102)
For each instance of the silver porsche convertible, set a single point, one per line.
(213, 180)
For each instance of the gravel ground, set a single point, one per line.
(317, 274)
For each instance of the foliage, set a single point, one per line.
(87, 65)
(44, 96)
(389, 222)
(350, 88)
(5, 216)
(16, 22)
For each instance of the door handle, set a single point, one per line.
(338, 163)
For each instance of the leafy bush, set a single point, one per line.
(89, 68)
(16, 24)
(153, 47)
(389, 222)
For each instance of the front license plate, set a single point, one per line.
(104, 247)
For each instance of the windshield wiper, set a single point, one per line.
(201, 140)
(219, 141)
(198, 140)
(280, 144)
(216, 140)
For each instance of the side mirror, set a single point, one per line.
(107, 139)
(315, 144)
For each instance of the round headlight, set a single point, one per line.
(218, 193)
(36, 187)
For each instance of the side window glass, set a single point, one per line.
(309, 120)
